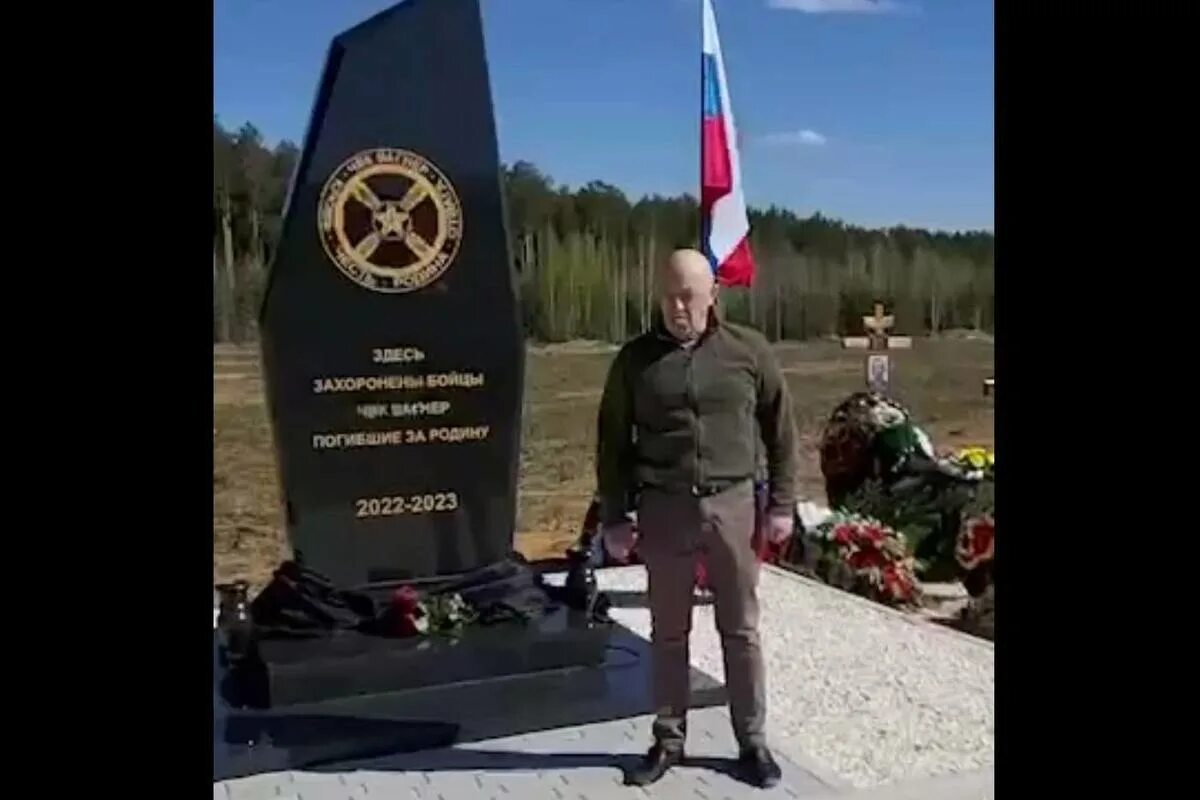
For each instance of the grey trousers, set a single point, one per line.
(673, 529)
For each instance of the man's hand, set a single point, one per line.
(779, 526)
(618, 539)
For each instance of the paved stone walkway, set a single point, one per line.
(576, 763)
(574, 754)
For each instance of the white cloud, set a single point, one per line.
(838, 6)
(802, 137)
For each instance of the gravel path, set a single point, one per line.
(871, 693)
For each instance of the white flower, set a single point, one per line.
(923, 442)
(812, 515)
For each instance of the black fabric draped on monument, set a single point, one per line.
(302, 604)
(313, 642)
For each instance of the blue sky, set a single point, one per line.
(878, 113)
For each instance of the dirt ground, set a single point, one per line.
(939, 380)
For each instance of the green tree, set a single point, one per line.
(585, 257)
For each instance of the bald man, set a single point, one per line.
(682, 407)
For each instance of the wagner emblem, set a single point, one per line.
(390, 220)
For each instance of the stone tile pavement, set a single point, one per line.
(575, 763)
(581, 759)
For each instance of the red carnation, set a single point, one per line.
(872, 534)
(983, 536)
(406, 599)
(896, 584)
(843, 534)
(866, 559)
(976, 542)
(409, 616)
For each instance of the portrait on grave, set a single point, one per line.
(878, 372)
(392, 350)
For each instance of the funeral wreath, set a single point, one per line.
(902, 513)
(865, 556)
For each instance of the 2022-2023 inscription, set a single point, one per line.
(396, 505)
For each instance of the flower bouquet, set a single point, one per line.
(975, 552)
(436, 614)
(869, 437)
(863, 555)
(974, 463)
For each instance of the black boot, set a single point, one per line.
(654, 765)
(759, 767)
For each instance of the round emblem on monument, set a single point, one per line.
(390, 220)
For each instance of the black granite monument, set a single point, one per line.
(391, 340)
(394, 361)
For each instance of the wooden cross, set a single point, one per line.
(878, 326)
(879, 366)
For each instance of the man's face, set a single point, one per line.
(686, 291)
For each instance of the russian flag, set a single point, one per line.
(725, 228)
